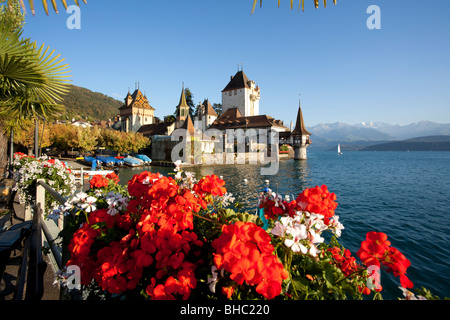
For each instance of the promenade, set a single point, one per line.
(10, 277)
(8, 283)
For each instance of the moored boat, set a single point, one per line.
(107, 161)
(144, 158)
(132, 162)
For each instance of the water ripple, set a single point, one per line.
(404, 194)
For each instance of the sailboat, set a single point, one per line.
(339, 149)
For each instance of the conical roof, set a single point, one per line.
(188, 125)
(182, 102)
(300, 128)
(209, 110)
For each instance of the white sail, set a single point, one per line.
(339, 149)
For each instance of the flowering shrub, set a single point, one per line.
(29, 169)
(177, 238)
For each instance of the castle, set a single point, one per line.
(240, 111)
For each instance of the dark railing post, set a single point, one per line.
(37, 265)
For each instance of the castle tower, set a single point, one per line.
(205, 115)
(182, 110)
(241, 93)
(135, 112)
(300, 136)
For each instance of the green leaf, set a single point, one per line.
(300, 284)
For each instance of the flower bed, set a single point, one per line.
(28, 169)
(178, 238)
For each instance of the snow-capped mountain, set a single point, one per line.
(327, 135)
(416, 129)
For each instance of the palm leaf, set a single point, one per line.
(45, 5)
(300, 3)
(33, 80)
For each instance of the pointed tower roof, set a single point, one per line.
(300, 128)
(209, 110)
(239, 80)
(188, 125)
(182, 102)
(138, 101)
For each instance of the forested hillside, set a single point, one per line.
(84, 103)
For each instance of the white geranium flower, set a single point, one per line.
(336, 226)
(80, 197)
(213, 279)
(177, 165)
(88, 205)
(298, 233)
(278, 229)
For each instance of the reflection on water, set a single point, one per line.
(403, 194)
(291, 179)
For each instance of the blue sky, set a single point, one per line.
(344, 71)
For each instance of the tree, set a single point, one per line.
(217, 108)
(87, 138)
(190, 101)
(32, 83)
(123, 142)
(12, 14)
(63, 136)
(24, 135)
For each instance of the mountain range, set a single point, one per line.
(326, 136)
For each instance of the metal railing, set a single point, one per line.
(33, 265)
(43, 232)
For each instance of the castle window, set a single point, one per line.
(235, 92)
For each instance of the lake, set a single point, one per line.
(403, 194)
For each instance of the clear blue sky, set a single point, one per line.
(345, 72)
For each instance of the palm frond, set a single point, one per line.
(33, 79)
(45, 5)
(300, 3)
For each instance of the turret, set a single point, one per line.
(300, 137)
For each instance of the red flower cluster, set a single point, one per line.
(113, 176)
(376, 250)
(156, 237)
(343, 260)
(245, 250)
(53, 161)
(98, 181)
(273, 209)
(21, 155)
(318, 200)
(210, 185)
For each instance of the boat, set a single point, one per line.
(339, 149)
(107, 161)
(111, 161)
(132, 162)
(144, 158)
(92, 161)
